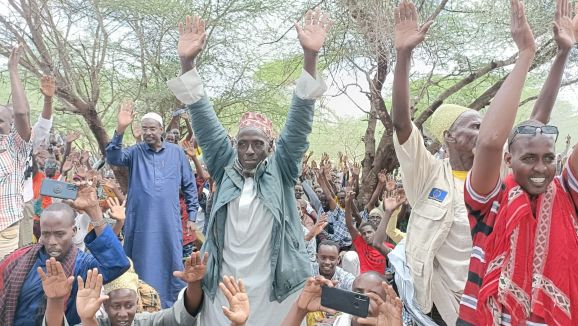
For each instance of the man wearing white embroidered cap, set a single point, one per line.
(158, 173)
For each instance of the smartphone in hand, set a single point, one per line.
(58, 189)
(352, 303)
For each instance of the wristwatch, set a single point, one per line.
(96, 224)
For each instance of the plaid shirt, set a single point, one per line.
(336, 223)
(14, 152)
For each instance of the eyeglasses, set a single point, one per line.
(533, 130)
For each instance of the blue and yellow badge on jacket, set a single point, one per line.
(437, 194)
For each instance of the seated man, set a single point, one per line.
(385, 307)
(524, 227)
(326, 265)
(120, 301)
(22, 300)
(370, 259)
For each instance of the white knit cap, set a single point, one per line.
(154, 116)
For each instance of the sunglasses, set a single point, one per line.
(533, 130)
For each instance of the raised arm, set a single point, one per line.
(89, 297)
(499, 119)
(115, 154)
(565, 39)
(391, 202)
(56, 287)
(188, 88)
(381, 180)
(349, 216)
(325, 187)
(21, 109)
(313, 199)
(292, 143)
(193, 274)
(41, 129)
(408, 35)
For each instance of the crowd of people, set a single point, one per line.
(249, 229)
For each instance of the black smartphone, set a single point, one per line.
(58, 189)
(352, 303)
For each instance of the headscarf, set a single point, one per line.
(443, 119)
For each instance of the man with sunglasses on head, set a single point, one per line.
(524, 227)
(438, 245)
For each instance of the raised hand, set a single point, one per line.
(310, 298)
(382, 177)
(393, 200)
(47, 86)
(125, 115)
(54, 282)
(192, 38)
(86, 197)
(234, 291)
(195, 268)
(71, 136)
(356, 169)
(189, 149)
(84, 157)
(390, 183)
(14, 58)
(314, 30)
(407, 33)
(563, 26)
(67, 166)
(88, 298)
(117, 210)
(320, 224)
(521, 32)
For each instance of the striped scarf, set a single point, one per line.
(13, 272)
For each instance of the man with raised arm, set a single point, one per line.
(121, 298)
(524, 226)
(254, 231)
(22, 300)
(158, 172)
(15, 148)
(438, 244)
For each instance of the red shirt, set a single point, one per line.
(187, 238)
(369, 258)
(482, 213)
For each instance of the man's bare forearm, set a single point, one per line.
(20, 105)
(547, 98)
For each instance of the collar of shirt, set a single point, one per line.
(163, 146)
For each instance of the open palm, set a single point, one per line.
(239, 309)
(88, 298)
(54, 282)
(195, 268)
(563, 26)
(126, 113)
(192, 38)
(314, 31)
(408, 34)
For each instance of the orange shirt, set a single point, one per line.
(37, 184)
